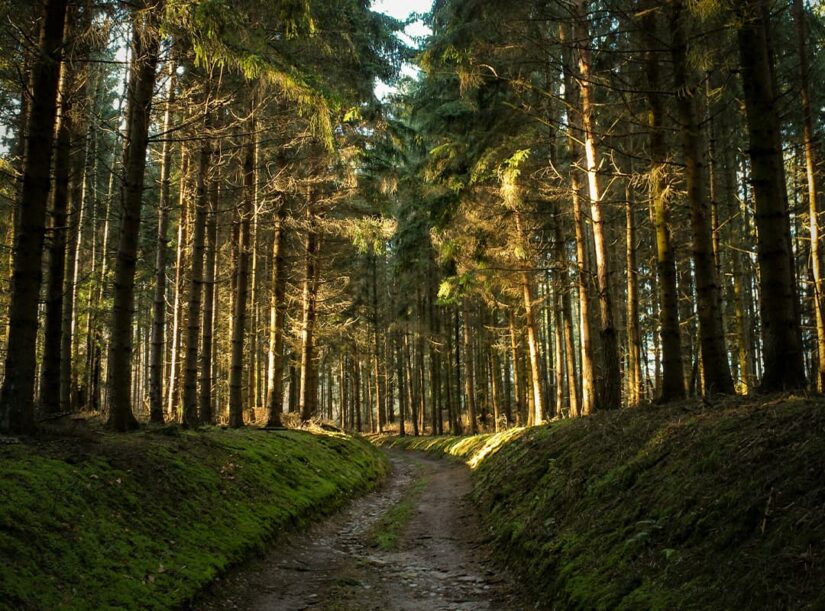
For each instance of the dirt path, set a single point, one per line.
(439, 563)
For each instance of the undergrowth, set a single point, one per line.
(659, 508)
(146, 520)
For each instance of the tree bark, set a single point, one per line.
(159, 303)
(145, 52)
(50, 381)
(810, 176)
(80, 201)
(175, 379)
(195, 289)
(779, 310)
(610, 395)
(379, 418)
(716, 376)
(673, 387)
(17, 396)
(469, 372)
(574, 129)
(277, 318)
(308, 401)
(532, 330)
(517, 378)
(634, 364)
(564, 316)
(402, 387)
(206, 413)
(242, 285)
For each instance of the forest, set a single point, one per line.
(573, 207)
(222, 215)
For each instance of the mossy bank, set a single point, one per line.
(660, 508)
(146, 520)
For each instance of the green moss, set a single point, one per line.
(388, 530)
(659, 508)
(147, 520)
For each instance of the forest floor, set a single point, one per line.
(414, 544)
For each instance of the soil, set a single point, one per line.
(441, 561)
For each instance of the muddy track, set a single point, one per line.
(440, 562)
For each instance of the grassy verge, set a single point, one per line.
(660, 508)
(388, 529)
(147, 520)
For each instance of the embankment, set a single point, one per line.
(684, 507)
(146, 520)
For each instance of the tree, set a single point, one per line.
(17, 395)
(610, 395)
(307, 397)
(242, 280)
(810, 177)
(715, 368)
(673, 387)
(145, 54)
(159, 302)
(275, 396)
(195, 288)
(779, 304)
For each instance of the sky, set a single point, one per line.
(401, 9)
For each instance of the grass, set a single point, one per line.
(387, 531)
(147, 520)
(659, 508)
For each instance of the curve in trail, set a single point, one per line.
(439, 564)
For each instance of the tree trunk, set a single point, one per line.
(356, 385)
(377, 345)
(634, 364)
(308, 401)
(564, 314)
(469, 372)
(175, 379)
(532, 330)
(781, 337)
(50, 382)
(574, 129)
(610, 396)
(402, 388)
(810, 175)
(672, 385)
(456, 425)
(435, 356)
(67, 207)
(252, 388)
(195, 289)
(242, 285)
(17, 397)
(517, 389)
(412, 399)
(448, 379)
(81, 200)
(494, 386)
(98, 294)
(159, 304)
(342, 393)
(294, 382)
(715, 367)
(145, 52)
(277, 318)
(206, 413)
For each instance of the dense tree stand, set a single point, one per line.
(562, 212)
